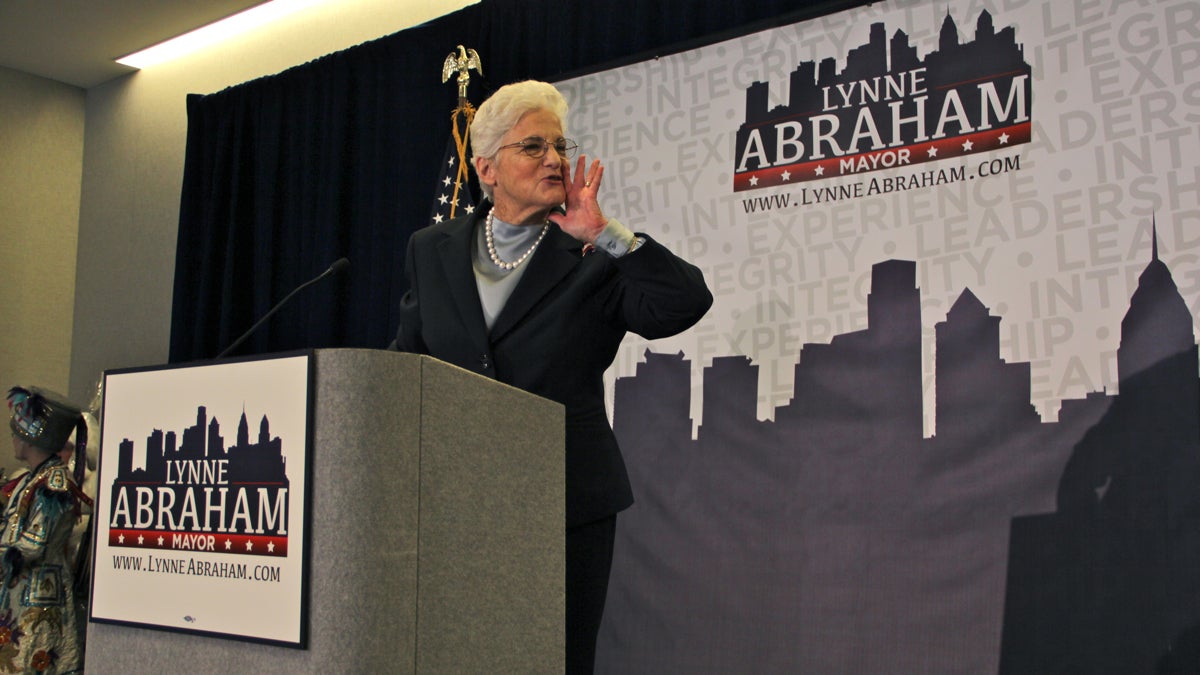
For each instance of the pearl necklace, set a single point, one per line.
(491, 246)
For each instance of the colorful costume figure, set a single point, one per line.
(41, 622)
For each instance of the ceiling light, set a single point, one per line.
(206, 36)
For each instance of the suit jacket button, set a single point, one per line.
(485, 362)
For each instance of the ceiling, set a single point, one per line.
(75, 41)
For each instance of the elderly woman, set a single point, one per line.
(540, 296)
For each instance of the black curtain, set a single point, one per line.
(339, 157)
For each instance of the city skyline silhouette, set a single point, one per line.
(849, 521)
(259, 462)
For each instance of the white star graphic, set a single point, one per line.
(753, 181)
(446, 181)
(470, 208)
(967, 145)
(270, 547)
(450, 162)
(932, 151)
(120, 539)
(443, 198)
(1004, 139)
(228, 544)
(820, 171)
(437, 218)
(786, 175)
(249, 546)
(160, 541)
(140, 540)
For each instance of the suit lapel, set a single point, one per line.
(554, 259)
(454, 251)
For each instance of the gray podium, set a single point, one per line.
(459, 482)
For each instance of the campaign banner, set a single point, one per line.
(944, 413)
(200, 520)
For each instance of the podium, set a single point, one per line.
(436, 533)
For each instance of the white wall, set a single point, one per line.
(133, 169)
(41, 157)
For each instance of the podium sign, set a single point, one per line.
(432, 530)
(201, 505)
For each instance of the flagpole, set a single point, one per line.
(461, 63)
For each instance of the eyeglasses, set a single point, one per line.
(536, 147)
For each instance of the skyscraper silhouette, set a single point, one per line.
(1109, 582)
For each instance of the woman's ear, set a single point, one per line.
(485, 170)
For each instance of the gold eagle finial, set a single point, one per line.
(461, 62)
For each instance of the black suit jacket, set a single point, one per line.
(555, 337)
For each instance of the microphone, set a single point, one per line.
(338, 266)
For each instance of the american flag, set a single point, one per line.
(453, 196)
